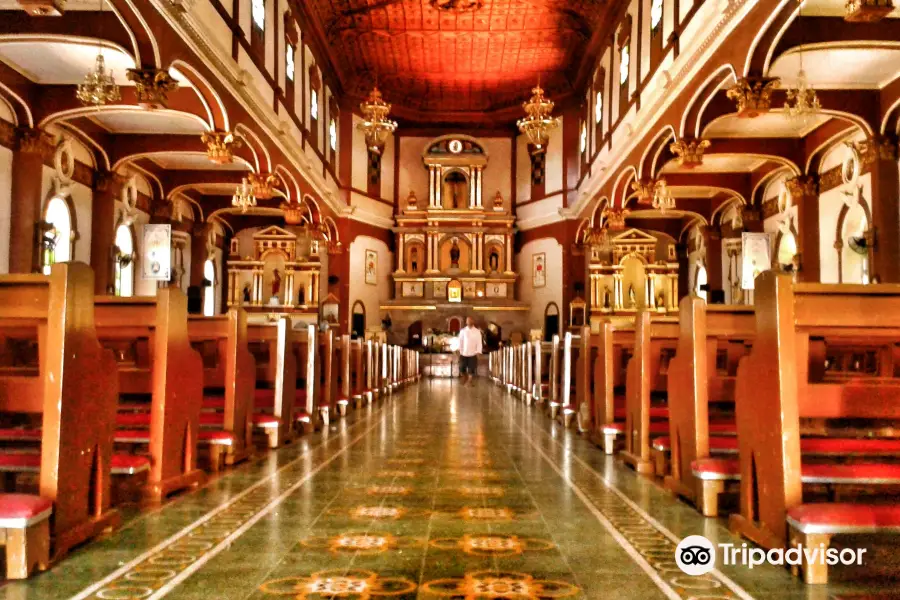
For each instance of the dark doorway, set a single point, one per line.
(414, 337)
(358, 321)
(551, 321)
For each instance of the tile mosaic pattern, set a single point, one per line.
(439, 492)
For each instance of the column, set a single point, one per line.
(103, 214)
(651, 291)
(473, 197)
(430, 187)
(289, 288)
(400, 253)
(714, 259)
(480, 189)
(25, 212)
(885, 266)
(509, 253)
(804, 192)
(593, 297)
(314, 288)
(437, 188)
(617, 291)
(673, 297)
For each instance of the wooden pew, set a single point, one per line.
(275, 396)
(359, 371)
(644, 373)
(229, 376)
(343, 363)
(172, 377)
(777, 386)
(309, 362)
(695, 380)
(73, 393)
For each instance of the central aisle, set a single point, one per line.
(438, 492)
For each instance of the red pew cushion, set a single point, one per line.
(129, 464)
(810, 446)
(862, 474)
(265, 421)
(716, 468)
(16, 434)
(216, 437)
(844, 518)
(18, 511)
(656, 427)
(656, 412)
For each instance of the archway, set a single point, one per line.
(854, 249)
(634, 281)
(414, 335)
(551, 321)
(455, 190)
(454, 325)
(358, 320)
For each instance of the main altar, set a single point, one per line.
(454, 248)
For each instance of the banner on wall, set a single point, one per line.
(757, 257)
(156, 254)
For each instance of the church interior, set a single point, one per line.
(239, 240)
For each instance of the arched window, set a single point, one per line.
(289, 62)
(314, 104)
(209, 290)
(332, 135)
(56, 246)
(258, 13)
(656, 14)
(124, 283)
(583, 138)
(598, 107)
(700, 281)
(624, 64)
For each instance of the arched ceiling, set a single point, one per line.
(429, 59)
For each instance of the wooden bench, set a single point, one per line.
(646, 372)
(167, 370)
(777, 386)
(696, 377)
(275, 398)
(229, 377)
(309, 361)
(69, 402)
(604, 408)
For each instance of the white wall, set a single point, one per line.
(538, 298)
(370, 295)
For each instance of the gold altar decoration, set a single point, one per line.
(753, 95)
(220, 146)
(689, 152)
(263, 185)
(152, 86)
(375, 125)
(538, 121)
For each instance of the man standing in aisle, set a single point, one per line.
(469, 349)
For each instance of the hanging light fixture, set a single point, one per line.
(99, 86)
(662, 197)
(243, 196)
(538, 121)
(376, 125)
(801, 101)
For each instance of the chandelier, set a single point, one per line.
(538, 121)
(662, 197)
(801, 101)
(243, 196)
(99, 86)
(376, 125)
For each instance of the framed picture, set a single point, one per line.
(371, 267)
(538, 270)
(156, 263)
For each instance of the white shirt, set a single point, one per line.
(469, 341)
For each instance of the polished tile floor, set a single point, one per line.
(438, 492)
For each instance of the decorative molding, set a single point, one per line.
(35, 141)
(752, 95)
(689, 151)
(152, 86)
(802, 186)
(864, 11)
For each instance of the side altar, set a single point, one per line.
(279, 275)
(455, 247)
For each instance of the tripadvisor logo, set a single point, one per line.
(696, 555)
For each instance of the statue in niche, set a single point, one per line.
(455, 190)
(246, 293)
(454, 255)
(276, 283)
(494, 262)
(632, 298)
(414, 260)
(661, 300)
(607, 294)
(301, 296)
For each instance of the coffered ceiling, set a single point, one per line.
(430, 56)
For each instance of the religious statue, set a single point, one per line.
(661, 300)
(301, 296)
(414, 260)
(494, 262)
(246, 293)
(412, 203)
(606, 297)
(454, 255)
(498, 201)
(276, 283)
(631, 296)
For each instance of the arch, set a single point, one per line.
(817, 155)
(621, 186)
(839, 245)
(700, 279)
(210, 286)
(208, 95)
(284, 174)
(656, 147)
(312, 207)
(358, 320)
(332, 230)
(18, 106)
(462, 137)
(552, 321)
(692, 117)
(445, 258)
(124, 271)
(597, 214)
(154, 47)
(767, 37)
(785, 248)
(415, 250)
(454, 324)
(248, 134)
(87, 140)
(58, 241)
